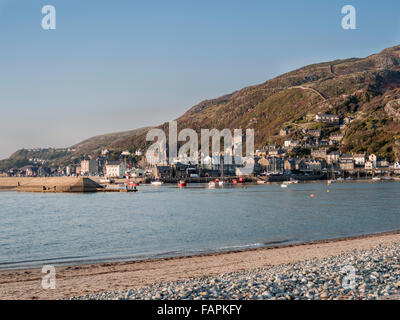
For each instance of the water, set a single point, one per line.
(39, 229)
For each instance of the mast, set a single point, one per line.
(222, 166)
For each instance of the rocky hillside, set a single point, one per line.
(366, 89)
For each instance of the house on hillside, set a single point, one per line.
(319, 153)
(327, 118)
(284, 132)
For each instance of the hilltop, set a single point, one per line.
(365, 90)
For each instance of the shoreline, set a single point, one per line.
(164, 256)
(35, 184)
(83, 279)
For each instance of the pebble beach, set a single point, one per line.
(364, 267)
(376, 276)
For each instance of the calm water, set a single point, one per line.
(39, 229)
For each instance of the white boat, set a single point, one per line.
(211, 184)
(376, 179)
(157, 183)
(291, 182)
(221, 183)
(284, 185)
(105, 181)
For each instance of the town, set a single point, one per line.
(303, 153)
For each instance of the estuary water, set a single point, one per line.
(46, 228)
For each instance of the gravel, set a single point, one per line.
(376, 276)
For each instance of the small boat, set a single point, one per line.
(211, 184)
(260, 181)
(157, 183)
(128, 189)
(105, 181)
(221, 183)
(376, 179)
(242, 180)
(182, 183)
(284, 185)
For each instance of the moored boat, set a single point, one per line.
(182, 183)
(157, 183)
(211, 184)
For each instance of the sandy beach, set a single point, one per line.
(93, 278)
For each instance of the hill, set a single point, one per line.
(367, 90)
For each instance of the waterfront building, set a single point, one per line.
(369, 165)
(346, 164)
(373, 158)
(332, 157)
(89, 167)
(115, 169)
(359, 159)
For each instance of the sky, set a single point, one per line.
(118, 65)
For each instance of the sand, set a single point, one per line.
(92, 278)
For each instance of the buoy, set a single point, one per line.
(312, 195)
(328, 190)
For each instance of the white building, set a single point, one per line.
(291, 143)
(369, 165)
(115, 169)
(359, 159)
(328, 118)
(373, 158)
(89, 167)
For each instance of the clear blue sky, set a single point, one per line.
(119, 65)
